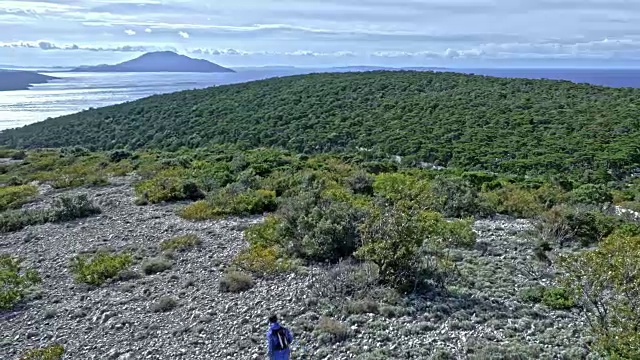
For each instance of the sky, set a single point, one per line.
(452, 33)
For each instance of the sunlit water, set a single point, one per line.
(75, 92)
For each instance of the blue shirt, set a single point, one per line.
(272, 342)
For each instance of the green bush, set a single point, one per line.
(97, 269)
(264, 260)
(64, 209)
(156, 265)
(604, 283)
(455, 197)
(533, 294)
(318, 229)
(15, 281)
(228, 202)
(51, 352)
(397, 187)
(119, 155)
(12, 197)
(68, 208)
(361, 183)
(181, 243)
(236, 282)
(582, 224)
(167, 186)
(515, 201)
(409, 246)
(592, 194)
(558, 298)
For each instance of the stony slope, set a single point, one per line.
(485, 317)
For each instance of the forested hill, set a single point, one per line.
(506, 125)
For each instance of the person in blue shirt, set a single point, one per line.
(278, 340)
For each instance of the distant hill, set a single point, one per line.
(21, 80)
(516, 126)
(163, 61)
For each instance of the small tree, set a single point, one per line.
(605, 283)
(410, 247)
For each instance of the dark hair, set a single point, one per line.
(273, 319)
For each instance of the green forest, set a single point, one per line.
(516, 126)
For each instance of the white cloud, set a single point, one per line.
(130, 32)
(183, 34)
(148, 31)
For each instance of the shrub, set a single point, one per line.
(532, 294)
(455, 197)
(337, 331)
(229, 202)
(181, 243)
(15, 281)
(64, 209)
(236, 282)
(605, 284)
(51, 352)
(362, 307)
(328, 232)
(591, 194)
(583, 224)
(165, 304)
(168, 185)
(156, 265)
(97, 269)
(361, 183)
(119, 155)
(348, 279)
(397, 187)
(263, 260)
(12, 197)
(515, 201)
(557, 298)
(409, 246)
(14, 220)
(67, 208)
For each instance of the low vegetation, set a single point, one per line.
(181, 243)
(386, 232)
(97, 269)
(66, 208)
(334, 330)
(15, 281)
(51, 352)
(236, 282)
(164, 304)
(12, 197)
(156, 265)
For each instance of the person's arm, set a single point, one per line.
(289, 336)
(269, 345)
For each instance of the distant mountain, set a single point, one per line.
(162, 61)
(21, 80)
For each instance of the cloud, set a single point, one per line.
(148, 31)
(46, 45)
(183, 34)
(130, 32)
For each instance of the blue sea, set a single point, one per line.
(74, 92)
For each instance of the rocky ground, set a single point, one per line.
(482, 318)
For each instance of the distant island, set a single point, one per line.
(162, 61)
(21, 80)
